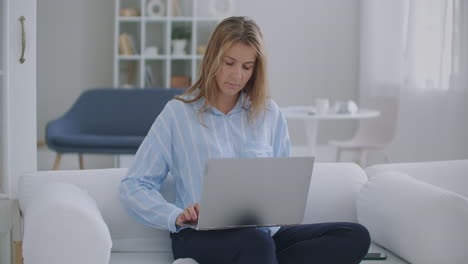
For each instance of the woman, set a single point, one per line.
(227, 113)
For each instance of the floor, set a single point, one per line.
(166, 258)
(46, 158)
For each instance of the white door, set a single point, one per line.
(17, 105)
(17, 93)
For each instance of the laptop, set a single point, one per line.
(253, 192)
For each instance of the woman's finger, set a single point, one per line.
(187, 215)
(192, 212)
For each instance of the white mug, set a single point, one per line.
(322, 105)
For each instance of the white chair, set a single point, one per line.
(374, 133)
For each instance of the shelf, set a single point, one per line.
(152, 63)
(129, 19)
(181, 19)
(129, 57)
(181, 57)
(155, 57)
(155, 19)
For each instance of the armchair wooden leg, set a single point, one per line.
(18, 252)
(57, 161)
(81, 161)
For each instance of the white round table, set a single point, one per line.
(312, 120)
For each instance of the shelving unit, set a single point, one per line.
(142, 70)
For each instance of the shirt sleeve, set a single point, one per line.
(140, 189)
(281, 141)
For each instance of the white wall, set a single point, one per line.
(313, 52)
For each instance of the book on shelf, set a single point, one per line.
(127, 44)
(150, 80)
(131, 69)
(129, 12)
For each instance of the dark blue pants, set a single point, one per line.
(331, 243)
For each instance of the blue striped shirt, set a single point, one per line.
(179, 143)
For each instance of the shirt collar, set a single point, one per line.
(242, 104)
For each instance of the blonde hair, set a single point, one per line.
(230, 31)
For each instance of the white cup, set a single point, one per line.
(322, 105)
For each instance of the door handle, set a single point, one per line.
(23, 39)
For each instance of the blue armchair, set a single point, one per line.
(107, 121)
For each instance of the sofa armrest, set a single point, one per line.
(420, 222)
(62, 224)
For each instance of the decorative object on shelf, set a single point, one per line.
(178, 47)
(221, 8)
(180, 81)
(339, 107)
(151, 51)
(127, 86)
(176, 8)
(342, 107)
(201, 50)
(352, 107)
(132, 44)
(181, 33)
(156, 8)
(129, 12)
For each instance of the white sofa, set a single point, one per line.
(418, 210)
(76, 216)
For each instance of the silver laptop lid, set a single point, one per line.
(242, 192)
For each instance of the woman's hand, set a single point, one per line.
(190, 214)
